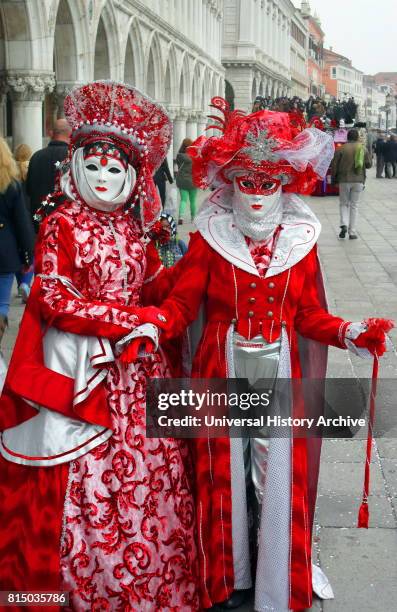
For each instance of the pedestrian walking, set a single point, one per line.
(42, 168)
(184, 181)
(390, 157)
(379, 152)
(22, 155)
(16, 232)
(349, 170)
(161, 176)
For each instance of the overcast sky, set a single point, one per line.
(363, 30)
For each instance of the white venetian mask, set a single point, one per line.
(105, 175)
(256, 203)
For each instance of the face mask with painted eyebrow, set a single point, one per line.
(105, 176)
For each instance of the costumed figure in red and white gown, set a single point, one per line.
(89, 505)
(253, 265)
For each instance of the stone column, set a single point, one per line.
(27, 94)
(179, 130)
(201, 125)
(191, 127)
(171, 111)
(59, 94)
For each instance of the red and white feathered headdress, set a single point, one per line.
(122, 116)
(278, 144)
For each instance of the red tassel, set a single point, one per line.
(363, 515)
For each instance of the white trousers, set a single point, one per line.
(349, 197)
(253, 360)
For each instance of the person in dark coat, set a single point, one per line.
(42, 168)
(162, 175)
(379, 152)
(16, 231)
(390, 156)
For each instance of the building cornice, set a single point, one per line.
(258, 66)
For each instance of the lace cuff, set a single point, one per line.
(147, 330)
(352, 332)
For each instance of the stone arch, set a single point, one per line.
(214, 88)
(106, 55)
(167, 85)
(102, 55)
(221, 86)
(17, 45)
(206, 100)
(65, 48)
(154, 76)
(134, 72)
(171, 91)
(184, 84)
(196, 88)
(129, 64)
(229, 94)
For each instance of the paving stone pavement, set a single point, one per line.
(361, 281)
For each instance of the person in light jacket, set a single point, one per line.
(349, 170)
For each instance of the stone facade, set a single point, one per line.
(256, 48)
(171, 49)
(315, 52)
(299, 56)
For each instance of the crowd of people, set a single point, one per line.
(331, 111)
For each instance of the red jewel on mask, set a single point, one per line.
(104, 161)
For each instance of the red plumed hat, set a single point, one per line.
(106, 111)
(278, 144)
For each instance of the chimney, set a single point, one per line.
(305, 8)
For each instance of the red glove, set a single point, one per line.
(150, 314)
(374, 339)
(131, 352)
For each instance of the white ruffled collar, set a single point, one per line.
(300, 232)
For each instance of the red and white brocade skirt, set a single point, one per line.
(114, 527)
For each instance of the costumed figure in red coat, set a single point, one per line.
(253, 265)
(89, 504)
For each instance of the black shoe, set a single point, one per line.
(236, 599)
(343, 231)
(353, 236)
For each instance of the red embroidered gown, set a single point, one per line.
(115, 526)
